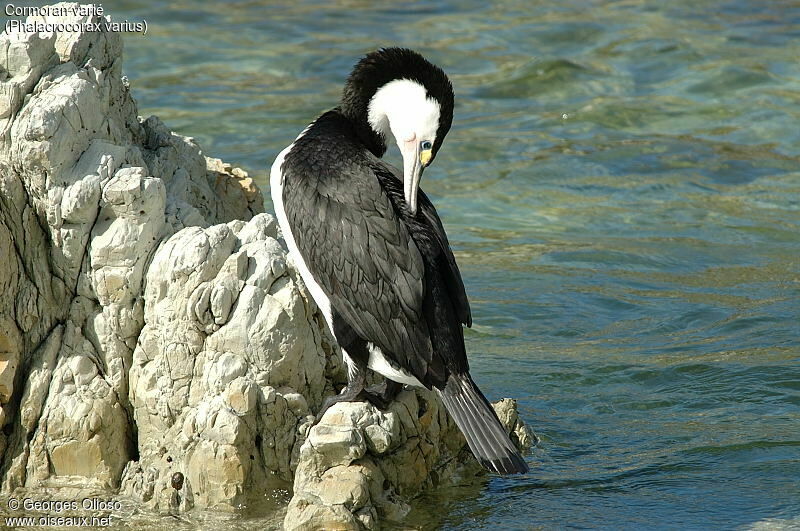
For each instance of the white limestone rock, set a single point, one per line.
(228, 364)
(87, 193)
(361, 466)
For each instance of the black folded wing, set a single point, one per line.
(379, 266)
(362, 255)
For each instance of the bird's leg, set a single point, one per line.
(382, 394)
(355, 386)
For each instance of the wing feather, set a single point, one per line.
(362, 255)
(455, 284)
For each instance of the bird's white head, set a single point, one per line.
(402, 108)
(395, 92)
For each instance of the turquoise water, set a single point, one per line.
(622, 189)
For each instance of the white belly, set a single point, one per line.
(379, 363)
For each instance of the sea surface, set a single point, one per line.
(621, 186)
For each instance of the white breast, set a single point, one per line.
(276, 190)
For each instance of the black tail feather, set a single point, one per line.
(478, 422)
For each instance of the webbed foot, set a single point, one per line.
(381, 395)
(351, 393)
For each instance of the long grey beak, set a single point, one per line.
(411, 180)
(414, 163)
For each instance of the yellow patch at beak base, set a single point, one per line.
(425, 157)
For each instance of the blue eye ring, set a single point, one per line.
(425, 145)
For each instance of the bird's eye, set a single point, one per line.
(425, 145)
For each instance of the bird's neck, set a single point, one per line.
(372, 140)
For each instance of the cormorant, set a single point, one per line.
(371, 249)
